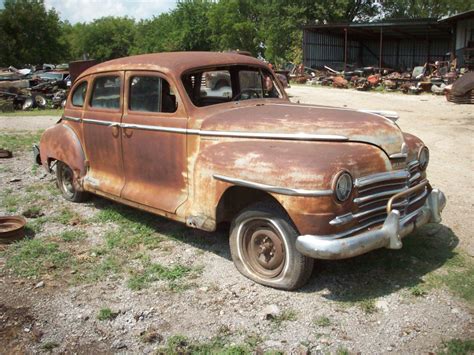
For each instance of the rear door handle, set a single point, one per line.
(115, 129)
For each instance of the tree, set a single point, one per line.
(423, 8)
(108, 38)
(29, 34)
(234, 25)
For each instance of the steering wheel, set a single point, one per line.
(251, 94)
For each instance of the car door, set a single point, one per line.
(154, 142)
(101, 130)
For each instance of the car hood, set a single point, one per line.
(286, 119)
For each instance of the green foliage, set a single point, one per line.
(423, 8)
(458, 347)
(154, 272)
(179, 344)
(322, 321)
(29, 34)
(73, 235)
(34, 257)
(106, 314)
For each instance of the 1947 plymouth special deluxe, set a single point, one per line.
(204, 138)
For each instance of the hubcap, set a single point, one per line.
(67, 184)
(263, 248)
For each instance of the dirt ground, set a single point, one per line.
(98, 277)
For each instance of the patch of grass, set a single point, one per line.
(37, 224)
(179, 344)
(68, 217)
(457, 347)
(19, 140)
(33, 112)
(418, 291)
(49, 345)
(73, 235)
(154, 272)
(368, 306)
(33, 257)
(106, 314)
(461, 282)
(10, 200)
(286, 315)
(342, 351)
(93, 271)
(322, 321)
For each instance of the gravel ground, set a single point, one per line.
(93, 294)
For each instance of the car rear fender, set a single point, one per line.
(61, 142)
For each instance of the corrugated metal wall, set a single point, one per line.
(328, 49)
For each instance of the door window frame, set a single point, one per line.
(93, 79)
(129, 74)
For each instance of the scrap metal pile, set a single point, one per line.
(439, 78)
(29, 88)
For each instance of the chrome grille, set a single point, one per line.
(373, 192)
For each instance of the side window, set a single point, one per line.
(216, 84)
(79, 94)
(106, 92)
(151, 94)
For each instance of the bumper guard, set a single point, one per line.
(389, 235)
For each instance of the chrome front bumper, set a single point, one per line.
(389, 235)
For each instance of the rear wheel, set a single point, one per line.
(67, 185)
(262, 244)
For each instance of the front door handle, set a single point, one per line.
(115, 129)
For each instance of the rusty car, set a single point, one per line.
(293, 182)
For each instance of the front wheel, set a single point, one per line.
(67, 185)
(262, 244)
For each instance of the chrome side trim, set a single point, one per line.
(263, 135)
(231, 134)
(155, 128)
(73, 119)
(100, 123)
(274, 189)
(413, 163)
(415, 177)
(372, 179)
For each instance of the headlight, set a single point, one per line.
(343, 187)
(424, 158)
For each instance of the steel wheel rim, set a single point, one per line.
(67, 181)
(263, 248)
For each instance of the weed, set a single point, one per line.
(253, 340)
(461, 282)
(32, 212)
(179, 344)
(417, 291)
(286, 315)
(9, 200)
(73, 235)
(368, 306)
(106, 314)
(93, 271)
(322, 321)
(33, 257)
(458, 347)
(155, 272)
(49, 345)
(68, 217)
(342, 351)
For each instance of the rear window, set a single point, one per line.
(79, 94)
(106, 92)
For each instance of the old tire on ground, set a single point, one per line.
(65, 180)
(262, 244)
(27, 104)
(40, 101)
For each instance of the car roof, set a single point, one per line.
(173, 62)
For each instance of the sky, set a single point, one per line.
(88, 10)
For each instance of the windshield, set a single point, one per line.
(51, 76)
(234, 83)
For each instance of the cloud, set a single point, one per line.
(89, 10)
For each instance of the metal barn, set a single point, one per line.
(398, 44)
